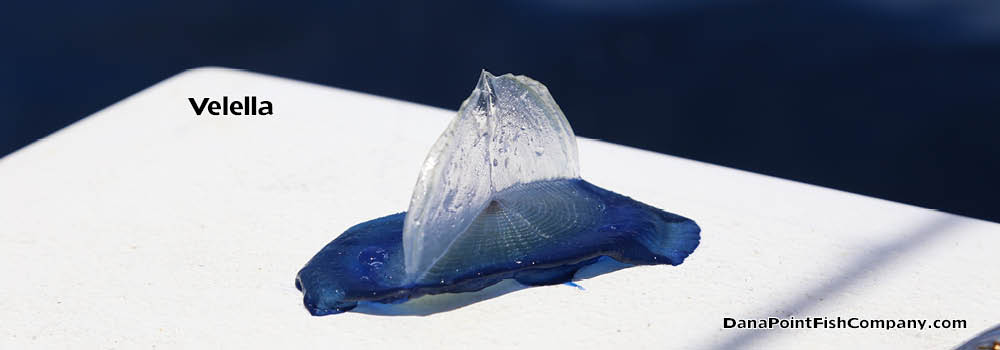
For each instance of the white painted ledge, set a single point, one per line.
(144, 225)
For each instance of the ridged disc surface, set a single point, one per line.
(518, 221)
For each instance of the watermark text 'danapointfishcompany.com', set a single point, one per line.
(838, 323)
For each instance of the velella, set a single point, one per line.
(989, 339)
(499, 196)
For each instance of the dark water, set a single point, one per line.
(893, 99)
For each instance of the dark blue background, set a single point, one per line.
(890, 98)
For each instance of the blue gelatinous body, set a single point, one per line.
(990, 339)
(509, 239)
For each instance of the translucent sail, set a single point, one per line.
(509, 131)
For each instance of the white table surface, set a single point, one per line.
(146, 226)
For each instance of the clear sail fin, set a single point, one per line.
(509, 131)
